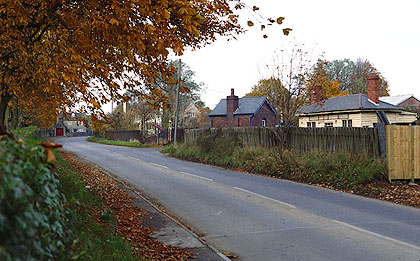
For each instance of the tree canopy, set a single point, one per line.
(352, 75)
(56, 52)
(319, 78)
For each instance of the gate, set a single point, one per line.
(403, 152)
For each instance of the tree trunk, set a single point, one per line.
(4, 100)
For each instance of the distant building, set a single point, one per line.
(71, 125)
(357, 110)
(407, 102)
(243, 112)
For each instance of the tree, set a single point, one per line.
(286, 87)
(58, 52)
(320, 78)
(67, 51)
(189, 92)
(353, 75)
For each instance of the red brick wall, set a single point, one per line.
(264, 112)
(410, 103)
(243, 120)
(237, 121)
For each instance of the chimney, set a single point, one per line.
(373, 92)
(316, 94)
(232, 103)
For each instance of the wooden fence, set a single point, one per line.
(123, 135)
(332, 140)
(403, 152)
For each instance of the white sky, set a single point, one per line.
(384, 32)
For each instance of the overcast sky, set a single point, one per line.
(384, 32)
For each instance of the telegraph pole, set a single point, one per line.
(177, 99)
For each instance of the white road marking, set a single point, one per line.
(261, 196)
(158, 165)
(377, 235)
(132, 158)
(196, 176)
(105, 150)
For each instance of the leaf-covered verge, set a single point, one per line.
(127, 220)
(358, 174)
(44, 215)
(135, 144)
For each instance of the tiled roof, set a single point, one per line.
(247, 105)
(347, 103)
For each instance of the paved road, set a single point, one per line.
(260, 218)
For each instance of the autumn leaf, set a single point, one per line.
(250, 23)
(280, 20)
(255, 8)
(286, 31)
(265, 36)
(262, 27)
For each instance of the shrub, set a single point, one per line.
(31, 210)
(343, 171)
(30, 132)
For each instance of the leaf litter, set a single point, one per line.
(128, 218)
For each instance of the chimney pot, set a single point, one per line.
(232, 92)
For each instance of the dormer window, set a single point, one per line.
(264, 122)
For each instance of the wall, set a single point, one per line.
(410, 103)
(264, 112)
(359, 119)
(335, 118)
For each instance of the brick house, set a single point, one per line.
(243, 112)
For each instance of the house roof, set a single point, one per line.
(397, 99)
(247, 105)
(347, 103)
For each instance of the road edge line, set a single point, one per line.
(376, 234)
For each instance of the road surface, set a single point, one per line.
(261, 218)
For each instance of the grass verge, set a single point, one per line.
(135, 144)
(341, 171)
(93, 224)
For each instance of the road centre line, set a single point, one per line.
(377, 235)
(196, 176)
(261, 196)
(158, 165)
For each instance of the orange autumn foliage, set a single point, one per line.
(55, 53)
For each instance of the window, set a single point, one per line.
(347, 123)
(311, 124)
(264, 122)
(329, 124)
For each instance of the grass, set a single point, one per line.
(342, 171)
(135, 144)
(93, 224)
